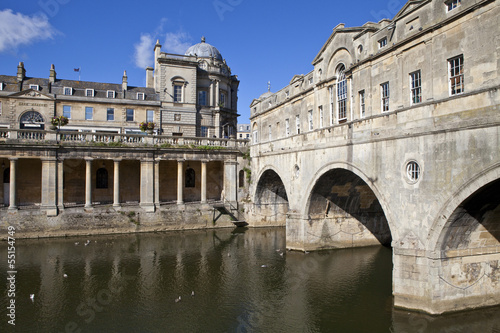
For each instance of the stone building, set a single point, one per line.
(393, 139)
(191, 95)
(102, 159)
(378, 68)
(198, 93)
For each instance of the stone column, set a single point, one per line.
(13, 185)
(116, 183)
(157, 183)
(204, 181)
(211, 97)
(49, 186)
(180, 181)
(60, 185)
(217, 93)
(230, 181)
(88, 182)
(147, 186)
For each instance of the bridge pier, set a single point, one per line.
(437, 284)
(334, 232)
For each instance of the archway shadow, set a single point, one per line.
(343, 197)
(476, 221)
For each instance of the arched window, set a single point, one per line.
(31, 119)
(241, 178)
(341, 94)
(190, 177)
(254, 133)
(101, 179)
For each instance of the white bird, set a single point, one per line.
(76, 243)
(65, 275)
(281, 254)
(32, 296)
(178, 299)
(192, 293)
(263, 266)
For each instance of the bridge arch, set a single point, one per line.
(470, 211)
(349, 208)
(270, 198)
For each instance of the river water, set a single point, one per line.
(240, 280)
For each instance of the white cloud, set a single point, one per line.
(144, 51)
(177, 42)
(18, 29)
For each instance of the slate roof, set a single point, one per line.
(79, 87)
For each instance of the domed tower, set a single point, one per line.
(199, 95)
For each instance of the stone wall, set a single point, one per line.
(106, 220)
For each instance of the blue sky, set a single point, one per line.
(261, 40)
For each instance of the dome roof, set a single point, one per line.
(204, 50)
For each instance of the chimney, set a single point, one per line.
(52, 76)
(21, 72)
(124, 83)
(149, 77)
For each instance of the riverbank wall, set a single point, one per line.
(78, 221)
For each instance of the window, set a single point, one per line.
(130, 115)
(320, 111)
(416, 87)
(254, 134)
(34, 86)
(204, 131)
(67, 111)
(287, 93)
(270, 133)
(413, 171)
(89, 92)
(110, 114)
(452, 4)
(89, 113)
(202, 97)
(330, 92)
(140, 96)
(101, 178)
(190, 177)
(311, 80)
(222, 101)
(241, 178)
(456, 70)
(341, 94)
(382, 43)
(310, 116)
(68, 91)
(150, 115)
(297, 123)
(287, 127)
(110, 94)
(384, 92)
(362, 103)
(177, 93)
(2, 86)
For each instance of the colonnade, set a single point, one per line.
(52, 183)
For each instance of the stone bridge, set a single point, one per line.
(427, 184)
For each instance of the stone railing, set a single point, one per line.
(114, 139)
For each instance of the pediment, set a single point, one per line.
(296, 78)
(408, 8)
(32, 94)
(254, 102)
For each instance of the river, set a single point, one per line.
(226, 280)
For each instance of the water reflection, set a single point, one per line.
(242, 282)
